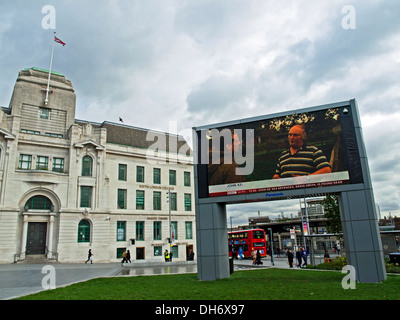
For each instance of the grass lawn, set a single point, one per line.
(242, 285)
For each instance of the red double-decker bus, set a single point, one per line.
(247, 240)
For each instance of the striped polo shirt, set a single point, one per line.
(306, 160)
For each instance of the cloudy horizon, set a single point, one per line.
(191, 63)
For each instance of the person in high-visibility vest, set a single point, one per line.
(166, 255)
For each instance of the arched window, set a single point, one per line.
(84, 231)
(39, 203)
(87, 165)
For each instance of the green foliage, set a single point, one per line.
(391, 267)
(333, 264)
(339, 262)
(332, 213)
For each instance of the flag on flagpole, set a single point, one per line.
(46, 101)
(59, 41)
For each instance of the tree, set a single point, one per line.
(332, 213)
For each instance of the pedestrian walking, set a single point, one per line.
(124, 257)
(166, 255)
(338, 248)
(90, 257)
(326, 256)
(298, 257)
(241, 255)
(128, 256)
(290, 258)
(234, 253)
(304, 256)
(191, 256)
(254, 255)
(258, 258)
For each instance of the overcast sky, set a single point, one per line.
(172, 65)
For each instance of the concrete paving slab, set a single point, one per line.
(21, 279)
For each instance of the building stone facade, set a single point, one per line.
(69, 185)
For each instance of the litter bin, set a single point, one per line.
(394, 257)
(231, 265)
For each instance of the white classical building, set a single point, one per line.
(68, 185)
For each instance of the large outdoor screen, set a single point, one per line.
(298, 150)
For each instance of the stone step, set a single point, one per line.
(36, 259)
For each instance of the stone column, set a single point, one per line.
(50, 239)
(24, 234)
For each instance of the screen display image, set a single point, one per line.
(299, 150)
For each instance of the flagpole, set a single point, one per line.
(46, 101)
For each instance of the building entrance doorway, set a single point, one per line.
(139, 253)
(36, 240)
(189, 252)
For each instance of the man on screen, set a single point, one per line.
(301, 159)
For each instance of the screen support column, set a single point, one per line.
(212, 241)
(361, 235)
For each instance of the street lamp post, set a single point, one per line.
(272, 246)
(169, 214)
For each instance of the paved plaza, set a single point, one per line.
(22, 279)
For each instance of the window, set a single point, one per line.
(139, 199)
(174, 230)
(157, 176)
(54, 135)
(42, 163)
(122, 172)
(139, 174)
(121, 230)
(186, 179)
(38, 203)
(158, 251)
(157, 230)
(139, 230)
(86, 197)
(58, 165)
(121, 201)
(120, 251)
(25, 162)
(175, 252)
(44, 113)
(30, 131)
(172, 177)
(156, 200)
(188, 230)
(173, 201)
(84, 231)
(188, 202)
(87, 164)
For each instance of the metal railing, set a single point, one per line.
(19, 257)
(51, 255)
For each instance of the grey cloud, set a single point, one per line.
(220, 95)
(207, 61)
